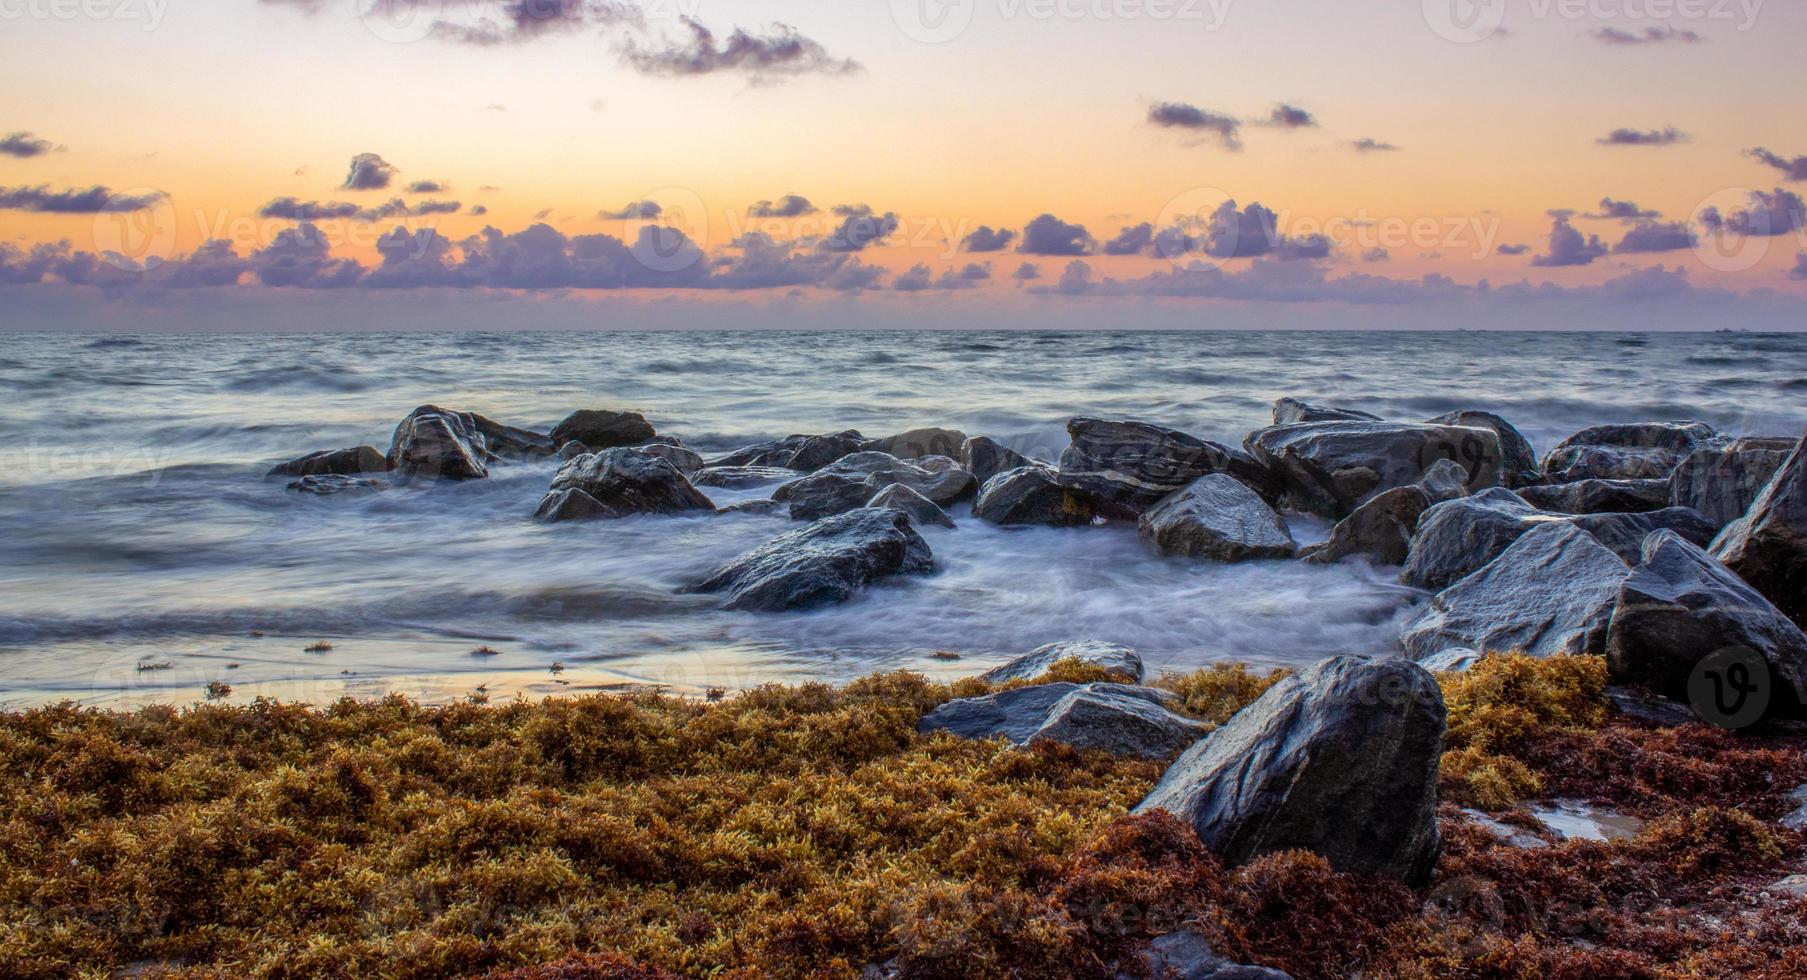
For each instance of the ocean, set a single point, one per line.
(144, 554)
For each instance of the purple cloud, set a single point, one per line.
(1623, 136)
(1652, 236)
(368, 172)
(23, 144)
(1569, 247)
(788, 206)
(1792, 170)
(1650, 35)
(1048, 235)
(984, 239)
(782, 53)
(92, 200)
(1182, 115)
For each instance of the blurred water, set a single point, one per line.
(136, 527)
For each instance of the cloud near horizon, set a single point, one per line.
(24, 145)
(1625, 136)
(781, 53)
(98, 199)
(1190, 118)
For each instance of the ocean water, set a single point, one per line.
(143, 553)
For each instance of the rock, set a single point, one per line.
(1291, 411)
(573, 449)
(922, 510)
(1097, 717)
(1381, 529)
(1459, 536)
(1624, 534)
(798, 452)
(985, 458)
(1634, 451)
(1216, 517)
(823, 494)
(1186, 955)
(826, 562)
(1330, 468)
(1648, 707)
(327, 484)
(334, 462)
(917, 443)
(880, 470)
(1128, 466)
(1505, 833)
(740, 477)
(1797, 819)
(1767, 547)
(1679, 605)
(1723, 483)
(1340, 759)
(938, 464)
(1551, 591)
(600, 429)
(433, 442)
(1793, 886)
(1452, 660)
(1446, 479)
(1017, 714)
(1113, 657)
(687, 461)
(572, 504)
(1518, 463)
(1033, 495)
(1599, 496)
(761, 506)
(623, 482)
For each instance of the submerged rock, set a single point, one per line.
(1679, 605)
(824, 494)
(1216, 517)
(1518, 463)
(1633, 451)
(923, 511)
(1551, 591)
(917, 443)
(740, 477)
(1340, 759)
(334, 462)
(1034, 495)
(599, 429)
(1599, 496)
(327, 484)
(1114, 657)
(826, 562)
(1292, 411)
(797, 452)
(687, 461)
(433, 442)
(942, 484)
(1767, 547)
(985, 458)
(1723, 483)
(1330, 468)
(622, 482)
(1127, 466)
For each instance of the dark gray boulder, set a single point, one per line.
(985, 457)
(1340, 759)
(1186, 955)
(762, 506)
(806, 453)
(573, 449)
(1216, 517)
(1034, 495)
(917, 443)
(1518, 462)
(1382, 528)
(600, 429)
(687, 461)
(740, 477)
(1723, 483)
(878, 470)
(1114, 657)
(923, 511)
(1551, 591)
(1019, 713)
(1767, 547)
(823, 494)
(1129, 465)
(1292, 411)
(1445, 479)
(1098, 717)
(1599, 496)
(329, 484)
(1456, 537)
(1330, 468)
(1679, 605)
(438, 444)
(826, 562)
(334, 462)
(572, 504)
(1624, 534)
(1631, 451)
(623, 481)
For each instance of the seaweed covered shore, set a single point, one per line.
(814, 831)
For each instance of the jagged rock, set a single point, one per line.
(1114, 657)
(1633, 451)
(1767, 547)
(1456, 537)
(1723, 483)
(1551, 591)
(1446, 479)
(600, 429)
(1291, 411)
(937, 464)
(572, 504)
(1599, 496)
(826, 562)
(1624, 534)
(573, 449)
(807, 453)
(1096, 717)
(985, 458)
(824, 494)
(1679, 605)
(1216, 517)
(917, 443)
(1017, 714)
(1382, 528)
(1340, 759)
(1128, 466)
(1033, 495)
(623, 482)
(334, 462)
(1186, 955)
(761, 506)
(1330, 468)
(923, 511)
(880, 470)
(740, 477)
(435, 443)
(327, 484)
(1518, 463)
(687, 461)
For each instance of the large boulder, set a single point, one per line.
(334, 462)
(600, 429)
(917, 443)
(1128, 465)
(1034, 495)
(1627, 451)
(687, 461)
(1599, 496)
(1292, 411)
(826, 562)
(1382, 528)
(798, 452)
(1518, 462)
(1458, 536)
(435, 443)
(1550, 592)
(822, 494)
(944, 484)
(1114, 657)
(1723, 483)
(622, 481)
(985, 457)
(1679, 605)
(923, 511)
(1624, 534)
(740, 477)
(1121, 718)
(1330, 468)
(1216, 517)
(1767, 547)
(1340, 759)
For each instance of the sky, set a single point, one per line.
(374, 164)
